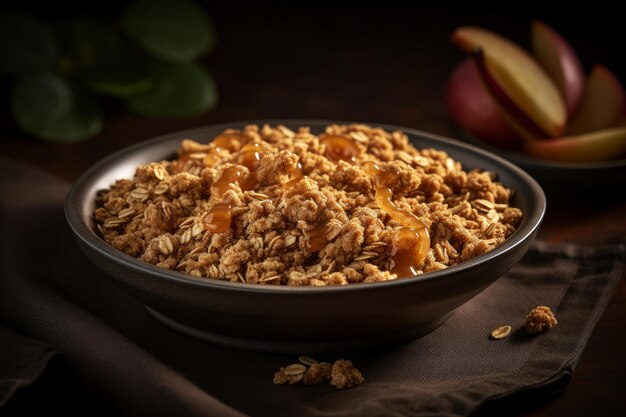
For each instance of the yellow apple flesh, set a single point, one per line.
(602, 105)
(601, 145)
(529, 90)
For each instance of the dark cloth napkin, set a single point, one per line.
(22, 361)
(49, 292)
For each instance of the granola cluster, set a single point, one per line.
(341, 374)
(168, 216)
(539, 320)
(345, 375)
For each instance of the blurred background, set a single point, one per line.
(347, 62)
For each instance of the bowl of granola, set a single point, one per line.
(304, 235)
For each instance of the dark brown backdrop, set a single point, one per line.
(379, 65)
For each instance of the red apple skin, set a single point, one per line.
(560, 61)
(474, 110)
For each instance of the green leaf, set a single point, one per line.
(180, 90)
(106, 62)
(83, 121)
(26, 45)
(47, 107)
(172, 30)
(40, 99)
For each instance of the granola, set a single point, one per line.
(341, 374)
(539, 319)
(345, 375)
(271, 206)
(317, 373)
(501, 332)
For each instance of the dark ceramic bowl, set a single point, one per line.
(561, 178)
(301, 320)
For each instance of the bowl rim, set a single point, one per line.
(73, 208)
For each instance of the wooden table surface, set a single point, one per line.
(381, 66)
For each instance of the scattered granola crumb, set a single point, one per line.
(345, 375)
(341, 374)
(539, 320)
(501, 332)
(290, 374)
(306, 360)
(317, 373)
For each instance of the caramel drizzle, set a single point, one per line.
(340, 148)
(295, 176)
(228, 141)
(232, 175)
(250, 156)
(219, 217)
(411, 243)
(316, 237)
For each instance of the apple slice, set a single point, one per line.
(601, 145)
(528, 88)
(602, 104)
(473, 109)
(560, 61)
(519, 121)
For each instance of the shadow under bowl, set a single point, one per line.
(301, 319)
